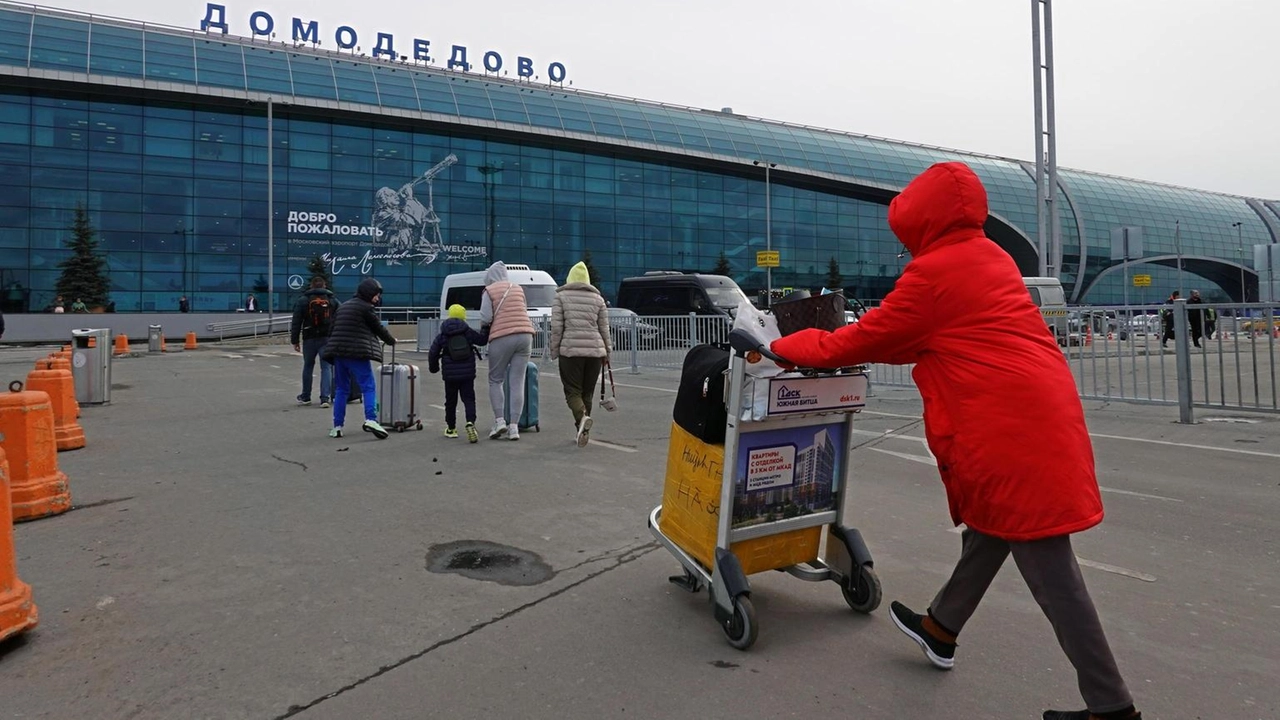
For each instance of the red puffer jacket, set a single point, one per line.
(1000, 405)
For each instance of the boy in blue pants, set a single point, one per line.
(353, 345)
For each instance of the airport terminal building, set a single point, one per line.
(407, 169)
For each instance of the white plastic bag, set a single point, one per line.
(762, 327)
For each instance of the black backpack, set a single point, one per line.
(319, 312)
(459, 348)
(700, 407)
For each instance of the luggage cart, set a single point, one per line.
(808, 402)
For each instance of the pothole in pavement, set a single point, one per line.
(480, 560)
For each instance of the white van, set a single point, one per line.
(467, 289)
(1047, 294)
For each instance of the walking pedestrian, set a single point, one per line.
(184, 305)
(453, 353)
(308, 333)
(1166, 319)
(352, 345)
(1195, 317)
(251, 303)
(504, 311)
(1002, 417)
(580, 341)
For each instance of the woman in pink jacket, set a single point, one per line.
(504, 310)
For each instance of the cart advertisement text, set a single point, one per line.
(771, 467)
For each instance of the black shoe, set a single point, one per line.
(941, 654)
(1077, 715)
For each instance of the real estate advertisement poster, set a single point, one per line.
(786, 473)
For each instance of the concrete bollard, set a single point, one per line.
(122, 345)
(58, 384)
(191, 342)
(17, 611)
(37, 487)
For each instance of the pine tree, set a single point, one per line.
(834, 281)
(722, 266)
(84, 275)
(317, 267)
(591, 269)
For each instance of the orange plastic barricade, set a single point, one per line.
(61, 389)
(191, 342)
(37, 487)
(62, 363)
(122, 346)
(17, 612)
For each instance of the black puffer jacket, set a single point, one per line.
(356, 329)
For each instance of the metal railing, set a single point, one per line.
(254, 327)
(1208, 356)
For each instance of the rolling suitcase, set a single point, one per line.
(398, 387)
(529, 416)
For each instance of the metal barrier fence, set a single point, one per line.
(1217, 356)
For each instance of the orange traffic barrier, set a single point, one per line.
(62, 363)
(191, 342)
(17, 612)
(36, 485)
(122, 345)
(164, 346)
(61, 389)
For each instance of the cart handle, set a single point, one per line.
(743, 343)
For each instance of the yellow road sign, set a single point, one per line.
(1142, 281)
(768, 258)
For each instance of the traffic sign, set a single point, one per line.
(1142, 281)
(768, 259)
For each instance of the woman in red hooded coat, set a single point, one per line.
(1001, 415)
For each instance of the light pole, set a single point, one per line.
(186, 254)
(271, 217)
(768, 227)
(488, 171)
(1239, 226)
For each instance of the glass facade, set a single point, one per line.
(175, 179)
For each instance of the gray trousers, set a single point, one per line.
(1050, 570)
(508, 358)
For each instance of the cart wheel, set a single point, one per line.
(741, 631)
(863, 591)
(419, 426)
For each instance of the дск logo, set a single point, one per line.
(788, 398)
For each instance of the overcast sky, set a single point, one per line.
(1178, 91)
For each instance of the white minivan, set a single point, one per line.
(467, 289)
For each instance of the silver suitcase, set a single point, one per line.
(398, 391)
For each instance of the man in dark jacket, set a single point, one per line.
(454, 348)
(1195, 317)
(352, 345)
(312, 320)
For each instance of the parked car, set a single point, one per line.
(648, 336)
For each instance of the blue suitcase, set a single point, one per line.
(529, 417)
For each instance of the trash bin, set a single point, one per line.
(91, 365)
(155, 338)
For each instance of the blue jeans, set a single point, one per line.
(362, 372)
(310, 353)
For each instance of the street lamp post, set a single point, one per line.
(186, 255)
(768, 226)
(488, 171)
(1239, 226)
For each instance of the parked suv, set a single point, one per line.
(667, 293)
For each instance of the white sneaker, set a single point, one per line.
(499, 429)
(513, 432)
(584, 430)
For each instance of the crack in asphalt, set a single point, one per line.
(291, 462)
(623, 557)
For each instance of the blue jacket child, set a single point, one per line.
(458, 370)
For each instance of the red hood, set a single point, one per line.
(944, 199)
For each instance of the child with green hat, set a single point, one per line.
(453, 354)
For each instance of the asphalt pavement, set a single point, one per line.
(226, 559)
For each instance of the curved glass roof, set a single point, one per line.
(43, 39)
